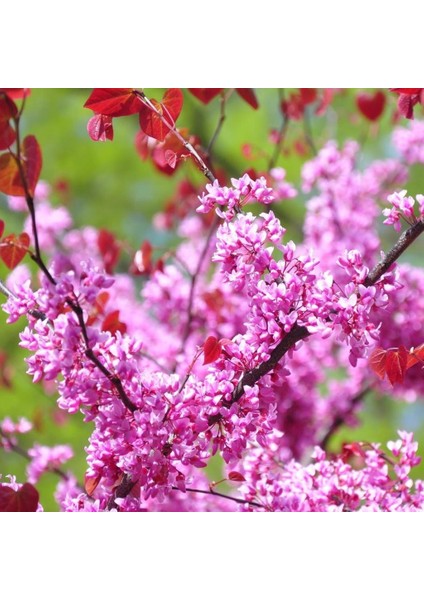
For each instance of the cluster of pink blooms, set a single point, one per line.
(251, 289)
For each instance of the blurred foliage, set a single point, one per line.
(111, 187)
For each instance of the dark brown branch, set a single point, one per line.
(405, 240)
(300, 333)
(213, 493)
(122, 491)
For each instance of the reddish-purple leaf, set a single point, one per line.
(205, 95)
(112, 323)
(308, 95)
(24, 500)
(109, 249)
(248, 96)
(396, 364)
(171, 158)
(142, 264)
(15, 93)
(235, 476)
(378, 362)
(100, 128)
(415, 355)
(114, 102)
(1, 227)
(406, 105)
(157, 123)
(8, 110)
(408, 91)
(212, 349)
(371, 105)
(32, 161)
(13, 249)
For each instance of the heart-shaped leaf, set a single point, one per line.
(13, 249)
(248, 96)
(24, 500)
(212, 349)
(112, 323)
(396, 364)
(11, 182)
(114, 102)
(205, 95)
(100, 128)
(371, 105)
(157, 123)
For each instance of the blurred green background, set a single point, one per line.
(111, 187)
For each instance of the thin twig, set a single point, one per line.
(19, 450)
(222, 116)
(213, 493)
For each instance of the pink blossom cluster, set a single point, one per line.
(379, 482)
(402, 206)
(243, 190)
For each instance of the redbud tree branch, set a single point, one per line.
(299, 332)
(72, 302)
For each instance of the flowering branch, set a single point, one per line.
(71, 302)
(299, 333)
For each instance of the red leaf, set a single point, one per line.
(205, 95)
(91, 482)
(8, 110)
(396, 364)
(406, 105)
(142, 264)
(33, 161)
(112, 323)
(109, 249)
(308, 95)
(378, 362)
(248, 96)
(171, 158)
(16, 93)
(100, 128)
(114, 102)
(10, 177)
(172, 104)
(212, 349)
(415, 356)
(24, 500)
(371, 105)
(408, 91)
(1, 227)
(13, 249)
(157, 124)
(235, 476)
